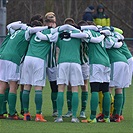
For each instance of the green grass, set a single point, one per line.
(19, 126)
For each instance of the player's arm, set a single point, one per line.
(64, 27)
(94, 39)
(80, 35)
(31, 30)
(11, 31)
(47, 37)
(117, 44)
(89, 27)
(110, 42)
(119, 36)
(37, 29)
(97, 39)
(14, 25)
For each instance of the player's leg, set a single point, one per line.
(76, 79)
(84, 94)
(121, 80)
(5, 102)
(62, 81)
(100, 102)
(52, 77)
(93, 102)
(12, 97)
(112, 102)
(3, 83)
(106, 101)
(3, 86)
(94, 99)
(60, 102)
(21, 103)
(84, 98)
(54, 92)
(39, 79)
(118, 101)
(38, 102)
(69, 101)
(25, 101)
(26, 84)
(74, 103)
(124, 96)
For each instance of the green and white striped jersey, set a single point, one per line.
(84, 53)
(51, 58)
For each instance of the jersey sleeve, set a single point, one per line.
(119, 36)
(27, 34)
(38, 28)
(89, 27)
(54, 37)
(67, 27)
(97, 39)
(14, 25)
(11, 31)
(110, 42)
(80, 35)
(89, 36)
(48, 37)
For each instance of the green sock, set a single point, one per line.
(54, 98)
(12, 97)
(124, 97)
(118, 103)
(38, 101)
(69, 100)
(5, 101)
(21, 93)
(25, 100)
(1, 103)
(74, 104)
(94, 104)
(106, 104)
(84, 99)
(60, 102)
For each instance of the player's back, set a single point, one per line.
(69, 49)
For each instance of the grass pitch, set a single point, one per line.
(20, 126)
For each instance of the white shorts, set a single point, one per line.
(130, 62)
(33, 71)
(119, 75)
(69, 72)
(51, 73)
(9, 71)
(85, 71)
(99, 73)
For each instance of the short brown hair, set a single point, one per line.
(36, 23)
(37, 17)
(69, 21)
(50, 17)
(91, 23)
(82, 23)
